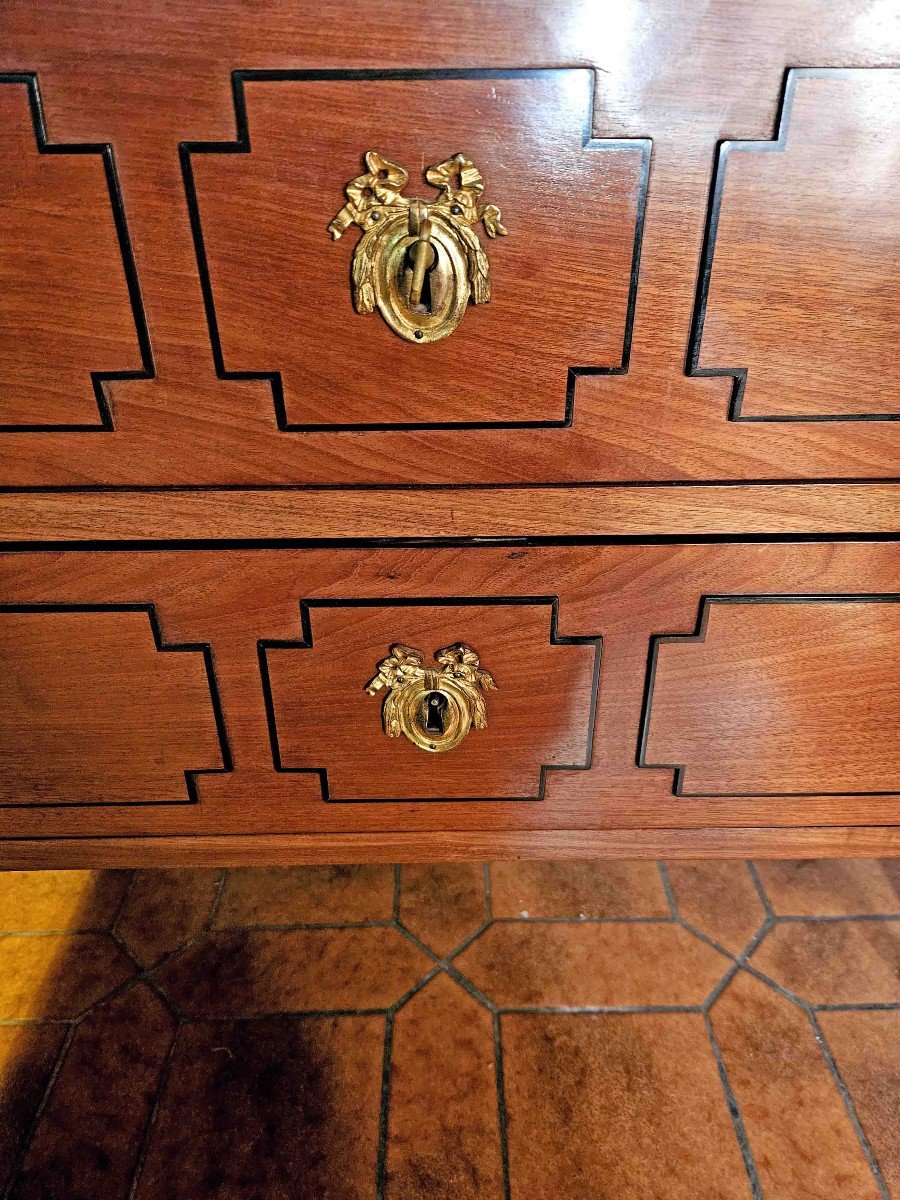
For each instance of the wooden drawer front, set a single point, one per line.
(280, 298)
(780, 696)
(540, 717)
(242, 361)
(66, 319)
(804, 231)
(781, 710)
(95, 709)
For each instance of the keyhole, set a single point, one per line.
(425, 299)
(435, 707)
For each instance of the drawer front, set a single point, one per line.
(279, 296)
(176, 312)
(204, 692)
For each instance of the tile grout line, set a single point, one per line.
(302, 926)
(126, 896)
(737, 963)
(760, 890)
(216, 901)
(668, 889)
(387, 1069)
(165, 1072)
(813, 919)
(734, 1109)
(384, 1108)
(863, 1006)
(22, 1153)
(594, 1010)
(398, 885)
(145, 974)
(848, 1103)
(502, 1113)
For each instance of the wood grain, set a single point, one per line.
(64, 306)
(281, 288)
(539, 716)
(291, 849)
(92, 712)
(231, 599)
(147, 77)
(782, 698)
(655, 448)
(802, 272)
(495, 512)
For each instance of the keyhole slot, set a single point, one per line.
(435, 712)
(426, 300)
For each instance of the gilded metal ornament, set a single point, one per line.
(418, 262)
(433, 707)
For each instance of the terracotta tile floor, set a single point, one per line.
(527, 1031)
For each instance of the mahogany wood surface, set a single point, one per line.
(539, 716)
(206, 455)
(280, 287)
(804, 266)
(92, 711)
(781, 696)
(290, 849)
(146, 77)
(231, 600)
(110, 516)
(64, 306)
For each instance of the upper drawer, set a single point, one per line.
(176, 311)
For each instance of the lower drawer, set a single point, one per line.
(223, 704)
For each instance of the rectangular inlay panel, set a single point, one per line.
(780, 695)
(66, 318)
(281, 301)
(804, 249)
(94, 710)
(233, 144)
(540, 716)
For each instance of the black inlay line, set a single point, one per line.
(707, 253)
(118, 545)
(305, 642)
(99, 379)
(203, 648)
(239, 78)
(551, 485)
(699, 635)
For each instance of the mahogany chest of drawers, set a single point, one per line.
(446, 433)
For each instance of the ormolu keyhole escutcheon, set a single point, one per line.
(418, 262)
(434, 707)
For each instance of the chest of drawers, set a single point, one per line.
(448, 434)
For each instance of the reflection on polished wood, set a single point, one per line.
(64, 306)
(234, 599)
(683, 74)
(497, 512)
(781, 697)
(804, 268)
(259, 448)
